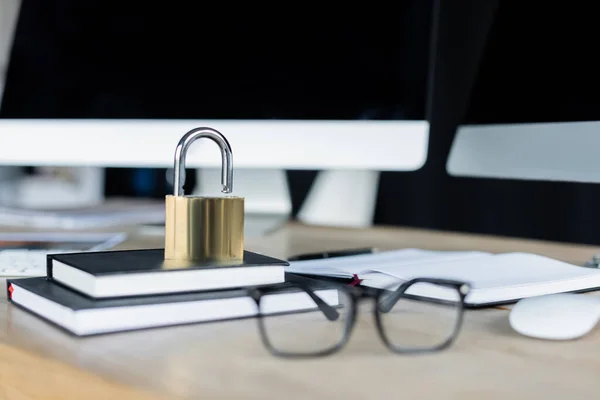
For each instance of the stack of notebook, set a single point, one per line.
(110, 291)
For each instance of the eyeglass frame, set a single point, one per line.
(358, 294)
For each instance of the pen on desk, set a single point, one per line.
(331, 254)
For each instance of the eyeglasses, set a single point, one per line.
(416, 316)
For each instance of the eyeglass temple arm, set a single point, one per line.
(330, 312)
(388, 302)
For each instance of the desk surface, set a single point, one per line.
(227, 360)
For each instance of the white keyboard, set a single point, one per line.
(25, 263)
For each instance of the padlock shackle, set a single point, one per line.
(226, 158)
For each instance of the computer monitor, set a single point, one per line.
(118, 89)
(534, 108)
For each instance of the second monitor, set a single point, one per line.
(534, 111)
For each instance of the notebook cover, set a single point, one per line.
(72, 300)
(143, 261)
(75, 301)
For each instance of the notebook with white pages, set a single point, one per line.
(495, 278)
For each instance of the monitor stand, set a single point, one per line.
(337, 198)
(344, 198)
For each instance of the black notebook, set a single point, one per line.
(145, 272)
(84, 316)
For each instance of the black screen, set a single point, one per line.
(540, 64)
(92, 59)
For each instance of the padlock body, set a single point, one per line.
(204, 229)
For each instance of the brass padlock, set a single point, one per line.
(204, 229)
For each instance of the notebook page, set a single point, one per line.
(359, 264)
(503, 270)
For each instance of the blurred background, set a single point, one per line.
(142, 60)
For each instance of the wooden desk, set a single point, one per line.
(227, 360)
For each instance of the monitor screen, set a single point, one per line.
(98, 61)
(539, 64)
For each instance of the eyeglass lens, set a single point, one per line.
(319, 327)
(424, 316)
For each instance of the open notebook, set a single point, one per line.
(495, 278)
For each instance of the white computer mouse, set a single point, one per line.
(562, 316)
